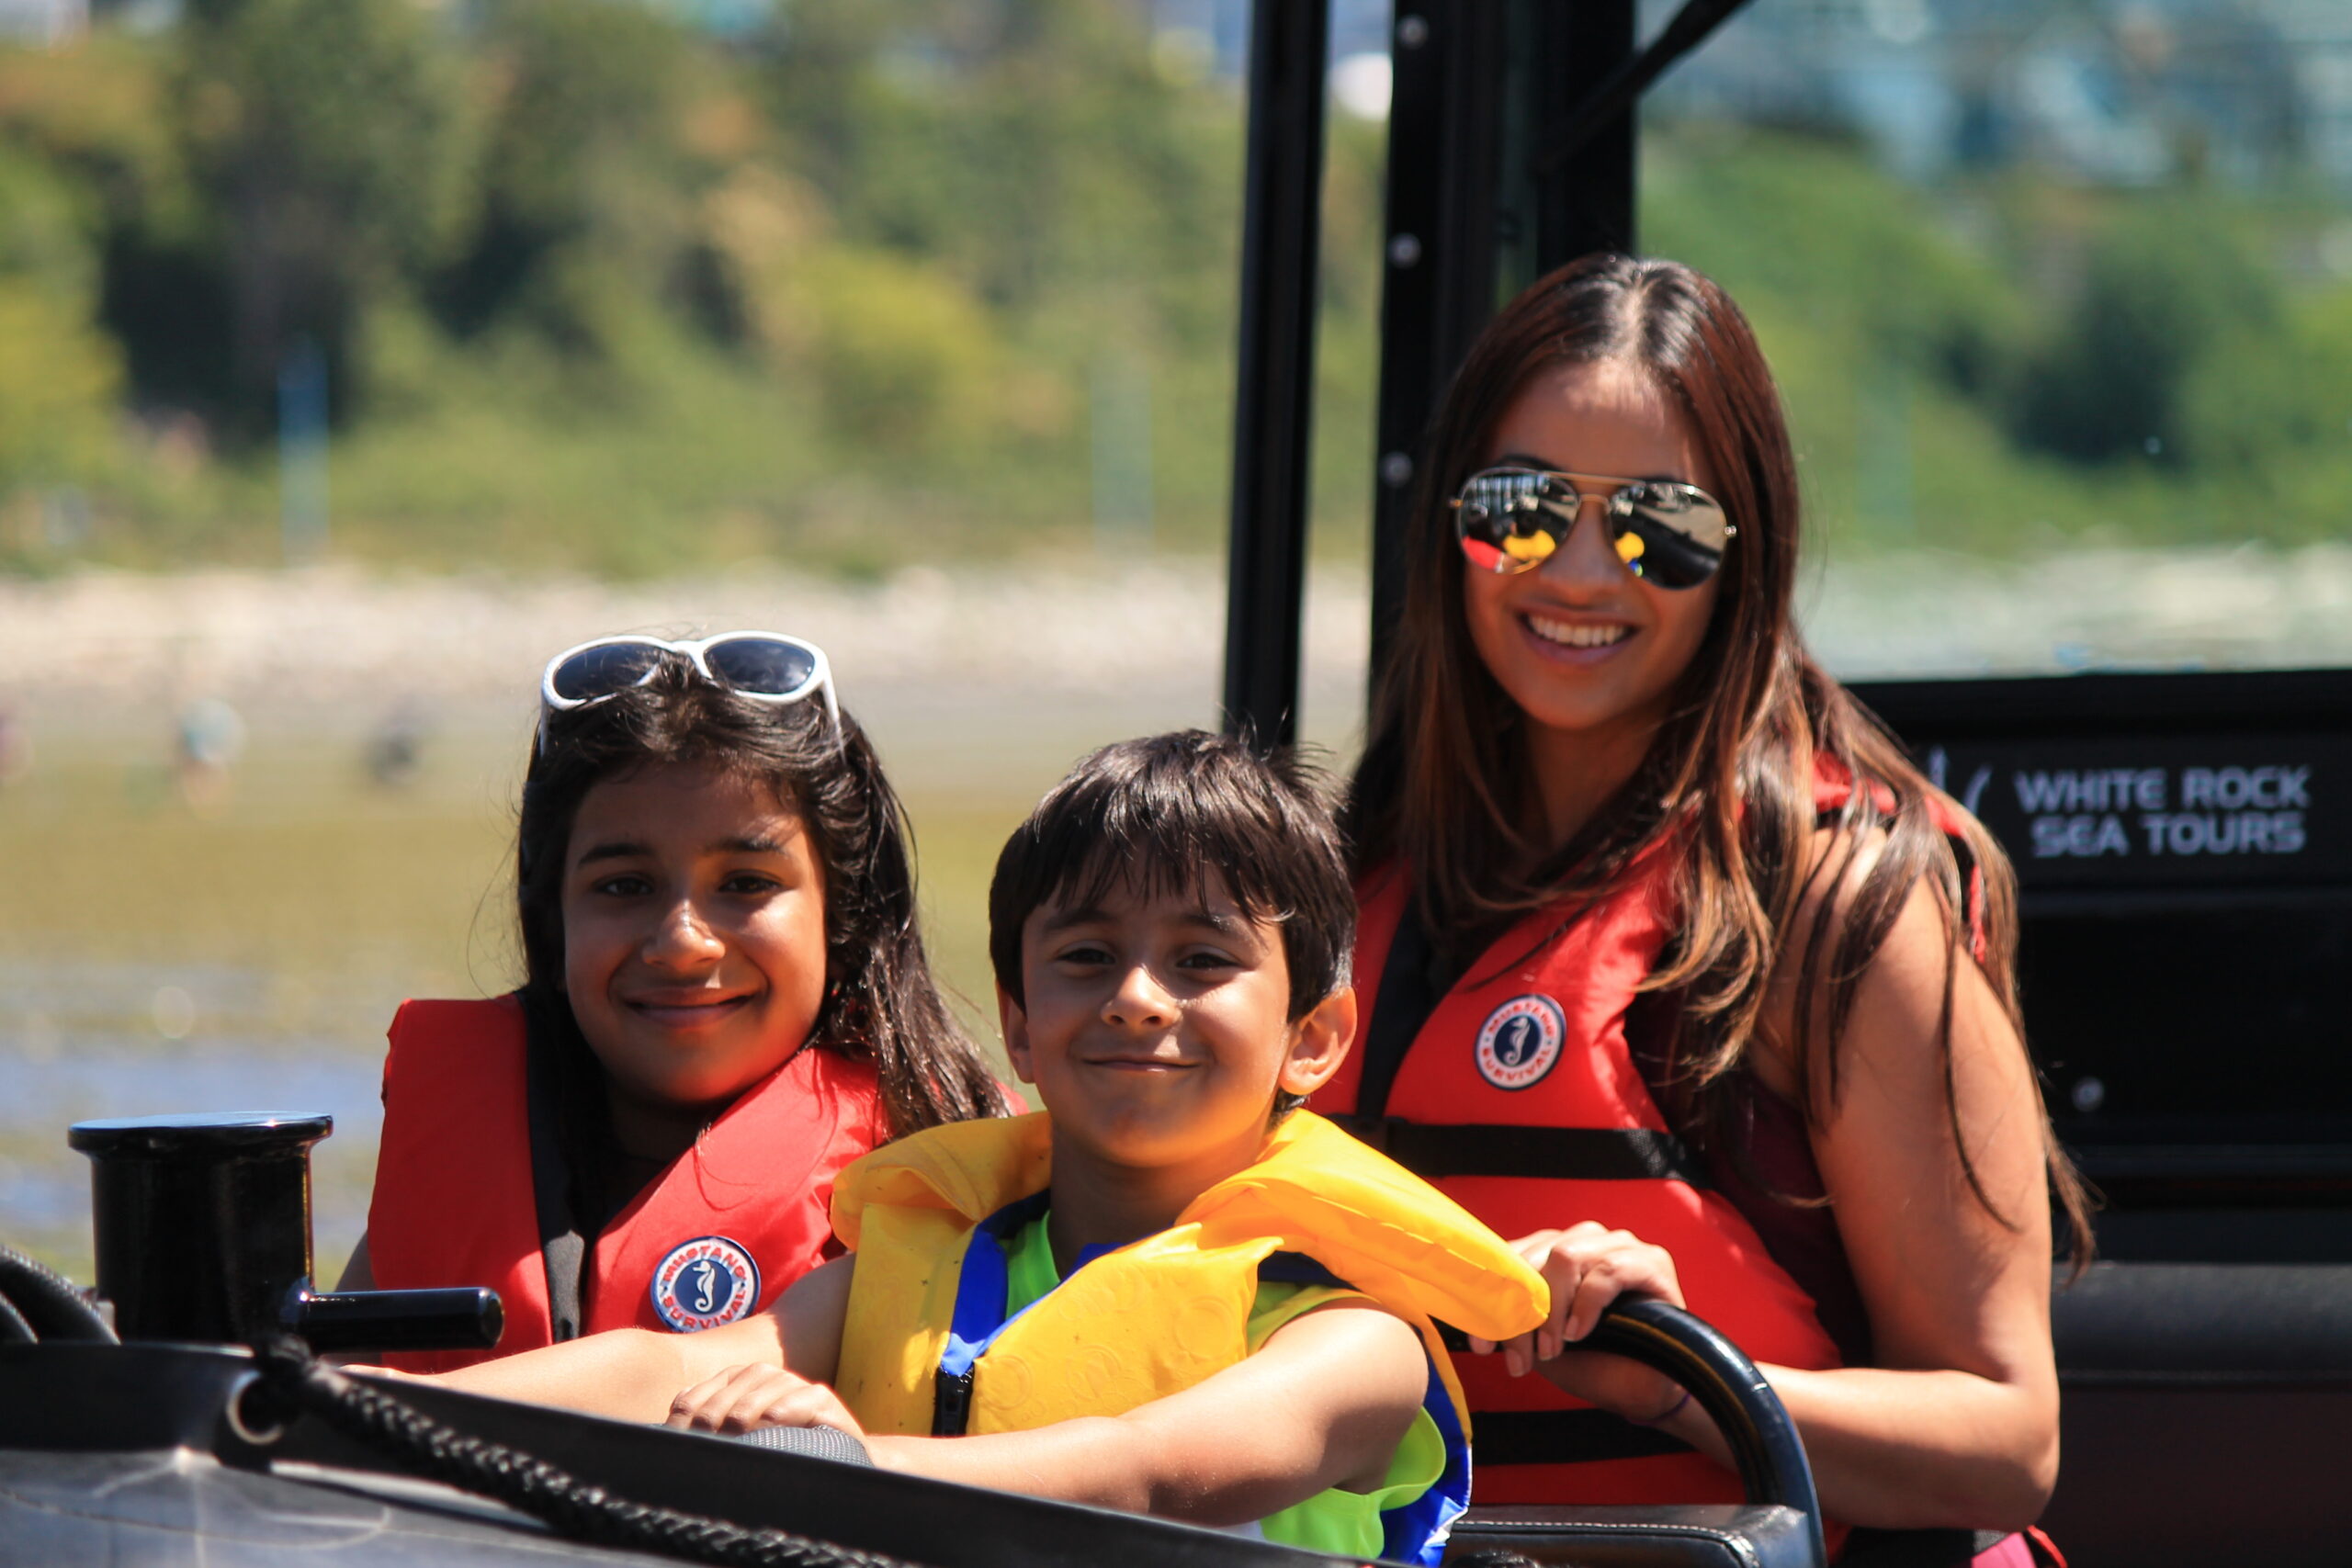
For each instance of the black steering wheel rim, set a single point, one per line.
(1765, 1445)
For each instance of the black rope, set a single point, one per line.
(38, 1303)
(14, 1329)
(293, 1379)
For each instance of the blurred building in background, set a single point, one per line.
(2115, 92)
(44, 23)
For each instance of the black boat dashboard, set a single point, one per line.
(141, 1454)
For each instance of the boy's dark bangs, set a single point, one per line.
(1114, 844)
(1183, 814)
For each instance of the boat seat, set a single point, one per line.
(2223, 1389)
(1709, 1536)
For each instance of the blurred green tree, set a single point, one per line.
(331, 141)
(907, 357)
(1040, 157)
(2166, 286)
(585, 198)
(60, 375)
(85, 150)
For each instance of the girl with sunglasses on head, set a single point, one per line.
(725, 1001)
(1664, 934)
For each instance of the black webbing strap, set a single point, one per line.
(1925, 1549)
(1972, 893)
(1972, 903)
(1556, 1437)
(562, 1248)
(1406, 998)
(1570, 1153)
(1564, 1437)
(1408, 994)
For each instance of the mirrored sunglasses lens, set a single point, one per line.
(1501, 522)
(1671, 534)
(761, 665)
(600, 672)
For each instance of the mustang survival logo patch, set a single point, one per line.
(1521, 1041)
(705, 1283)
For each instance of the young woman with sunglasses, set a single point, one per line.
(1663, 935)
(725, 1001)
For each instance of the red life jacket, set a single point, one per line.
(1519, 1098)
(724, 1229)
(1521, 1069)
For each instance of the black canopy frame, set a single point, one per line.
(2228, 1166)
(1510, 150)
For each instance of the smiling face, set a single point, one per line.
(1583, 645)
(694, 934)
(1157, 1028)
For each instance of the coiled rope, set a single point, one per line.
(38, 1303)
(293, 1379)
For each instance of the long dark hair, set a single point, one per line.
(1444, 783)
(880, 1003)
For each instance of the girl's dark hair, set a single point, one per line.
(880, 1003)
(1443, 785)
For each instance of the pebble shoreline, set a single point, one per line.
(79, 646)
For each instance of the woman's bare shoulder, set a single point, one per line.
(1911, 942)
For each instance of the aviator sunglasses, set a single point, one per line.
(1512, 519)
(767, 667)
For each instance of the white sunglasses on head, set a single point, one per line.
(767, 667)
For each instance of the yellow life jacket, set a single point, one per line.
(1152, 1318)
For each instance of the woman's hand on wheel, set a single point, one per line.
(1588, 1265)
(744, 1399)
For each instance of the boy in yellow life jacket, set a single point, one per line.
(1172, 1290)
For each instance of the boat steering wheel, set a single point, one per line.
(1765, 1447)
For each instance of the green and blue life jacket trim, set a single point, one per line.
(1428, 1481)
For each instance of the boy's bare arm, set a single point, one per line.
(1324, 1404)
(633, 1374)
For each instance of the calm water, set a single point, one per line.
(90, 1040)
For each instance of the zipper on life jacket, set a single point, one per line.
(951, 1403)
(979, 1316)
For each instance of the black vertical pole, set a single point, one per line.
(1438, 280)
(1478, 85)
(1587, 203)
(1273, 401)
